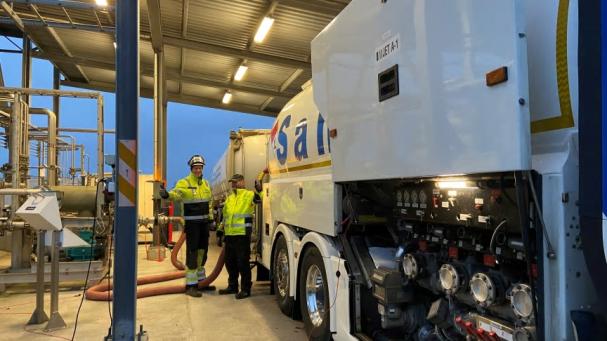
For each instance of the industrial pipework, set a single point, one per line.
(78, 204)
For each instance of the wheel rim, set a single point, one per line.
(282, 273)
(315, 295)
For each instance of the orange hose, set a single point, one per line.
(103, 291)
(176, 262)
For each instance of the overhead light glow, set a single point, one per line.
(242, 69)
(452, 184)
(263, 29)
(115, 45)
(101, 3)
(227, 98)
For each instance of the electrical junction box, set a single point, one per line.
(41, 212)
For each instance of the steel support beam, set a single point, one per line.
(60, 3)
(179, 98)
(100, 138)
(160, 131)
(127, 112)
(265, 104)
(75, 130)
(56, 99)
(180, 42)
(17, 21)
(286, 84)
(315, 6)
(155, 24)
(172, 75)
(185, 13)
(58, 24)
(234, 52)
(56, 102)
(59, 42)
(51, 31)
(26, 66)
(47, 92)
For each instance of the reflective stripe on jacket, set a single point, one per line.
(195, 195)
(238, 212)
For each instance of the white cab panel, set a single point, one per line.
(445, 119)
(302, 192)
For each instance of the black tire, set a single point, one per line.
(285, 301)
(313, 262)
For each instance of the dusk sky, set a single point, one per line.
(191, 129)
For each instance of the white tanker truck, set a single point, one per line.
(426, 186)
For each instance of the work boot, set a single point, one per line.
(192, 291)
(227, 291)
(243, 294)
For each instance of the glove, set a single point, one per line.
(219, 235)
(258, 186)
(163, 192)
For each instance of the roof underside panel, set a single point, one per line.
(214, 65)
(226, 23)
(200, 61)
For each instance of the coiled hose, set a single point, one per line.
(103, 291)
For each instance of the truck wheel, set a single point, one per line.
(281, 272)
(314, 296)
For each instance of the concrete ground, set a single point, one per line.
(168, 317)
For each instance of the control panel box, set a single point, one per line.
(41, 212)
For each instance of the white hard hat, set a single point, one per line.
(196, 160)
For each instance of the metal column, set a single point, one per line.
(160, 141)
(56, 107)
(127, 112)
(26, 66)
(56, 321)
(100, 137)
(160, 137)
(39, 316)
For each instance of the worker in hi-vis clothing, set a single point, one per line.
(195, 194)
(236, 227)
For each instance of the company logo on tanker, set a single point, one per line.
(280, 139)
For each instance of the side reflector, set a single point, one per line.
(497, 76)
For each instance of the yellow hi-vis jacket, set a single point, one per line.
(195, 194)
(238, 212)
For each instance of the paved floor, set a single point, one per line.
(169, 317)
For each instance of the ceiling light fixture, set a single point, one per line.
(101, 3)
(227, 97)
(263, 29)
(242, 69)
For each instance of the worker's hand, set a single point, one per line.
(258, 186)
(163, 192)
(219, 234)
